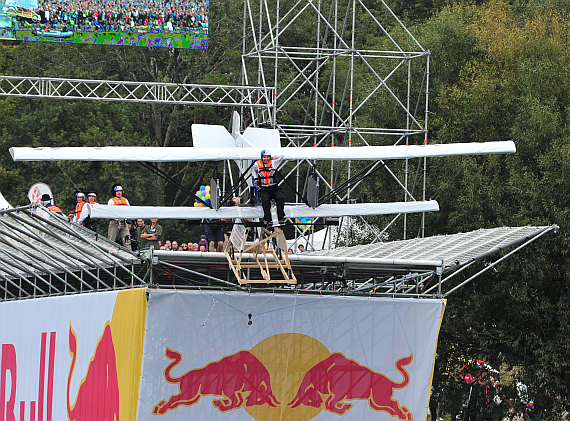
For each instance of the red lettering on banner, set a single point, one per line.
(42, 377)
(50, 376)
(8, 364)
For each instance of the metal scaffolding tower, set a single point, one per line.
(325, 73)
(322, 58)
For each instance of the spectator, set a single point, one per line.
(92, 223)
(203, 242)
(151, 233)
(81, 211)
(175, 245)
(141, 241)
(301, 248)
(184, 247)
(119, 226)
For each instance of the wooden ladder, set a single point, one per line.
(269, 253)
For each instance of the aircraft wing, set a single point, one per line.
(180, 154)
(241, 212)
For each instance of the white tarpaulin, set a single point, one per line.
(240, 356)
(4, 203)
(242, 212)
(179, 154)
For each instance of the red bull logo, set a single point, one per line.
(285, 377)
(337, 379)
(240, 379)
(98, 395)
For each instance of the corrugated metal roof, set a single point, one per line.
(42, 253)
(454, 248)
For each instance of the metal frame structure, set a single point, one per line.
(421, 267)
(307, 71)
(43, 254)
(337, 76)
(254, 97)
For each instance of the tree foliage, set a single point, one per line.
(512, 83)
(499, 70)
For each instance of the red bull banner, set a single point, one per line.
(239, 356)
(74, 357)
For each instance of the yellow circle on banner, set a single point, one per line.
(287, 357)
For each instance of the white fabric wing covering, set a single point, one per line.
(180, 154)
(4, 203)
(297, 211)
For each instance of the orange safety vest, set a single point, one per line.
(55, 209)
(119, 202)
(79, 208)
(267, 171)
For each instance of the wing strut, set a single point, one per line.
(154, 168)
(366, 171)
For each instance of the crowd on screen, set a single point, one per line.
(123, 16)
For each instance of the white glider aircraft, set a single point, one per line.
(215, 143)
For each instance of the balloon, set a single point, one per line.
(208, 196)
(202, 187)
(208, 188)
(196, 204)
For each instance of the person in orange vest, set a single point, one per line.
(46, 201)
(119, 226)
(81, 211)
(92, 223)
(263, 173)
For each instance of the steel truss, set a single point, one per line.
(307, 71)
(366, 269)
(330, 85)
(253, 97)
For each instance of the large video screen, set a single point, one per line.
(146, 23)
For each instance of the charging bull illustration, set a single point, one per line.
(337, 379)
(241, 379)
